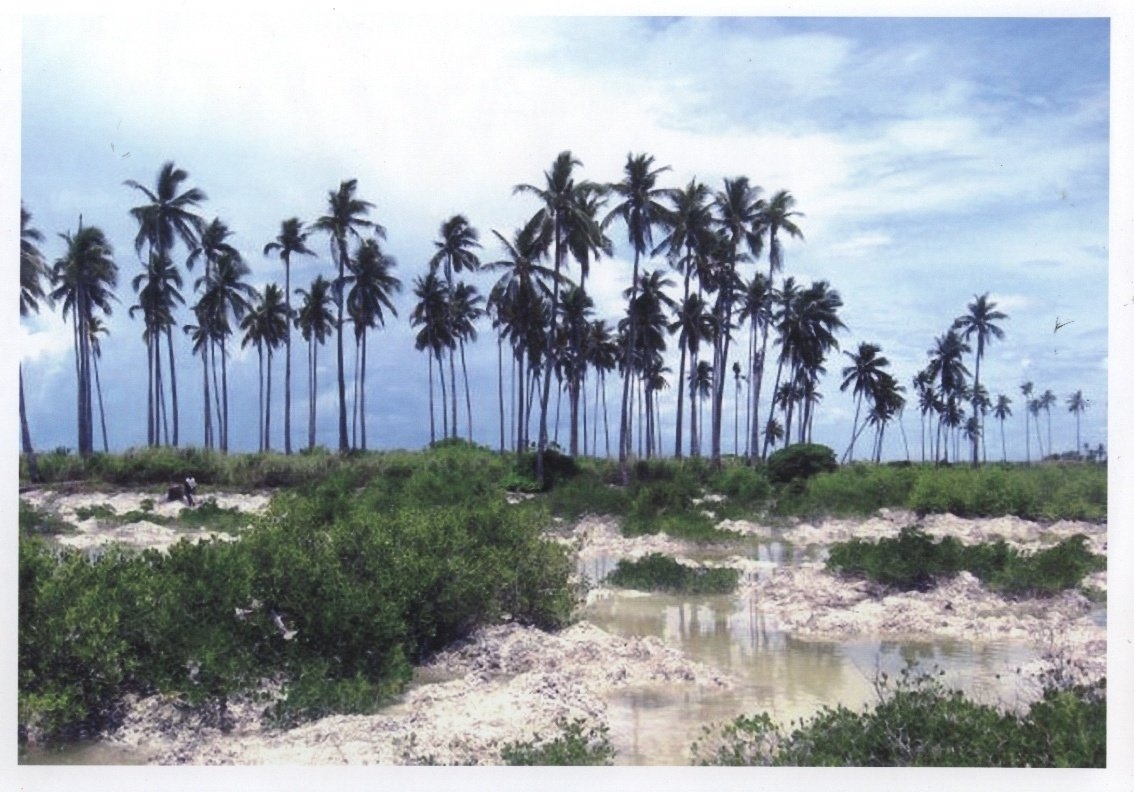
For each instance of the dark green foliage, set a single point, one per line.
(918, 723)
(658, 572)
(35, 521)
(800, 462)
(577, 744)
(747, 489)
(915, 561)
(338, 589)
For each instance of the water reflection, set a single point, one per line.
(789, 677)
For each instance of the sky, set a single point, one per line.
(933, 160)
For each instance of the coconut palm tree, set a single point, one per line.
(641, 210)
(694, 324)
(315, 321)
(947, 369)
(84, 278)
(33, 273)
(345, 218)
(602, 355)
(167, 218)
(756, 309)
(1026, 389)
(466, 308)
(700, 388)
(159, 290)
(431, 315)
(266, 326)
(454, 252)
(292, 239)
(740, 213)
(1000, 412)
(225, 298)
(1046, 400)
(1076, 404)
(980, 322)
(865, 376)
(372, 286)
(568, 209)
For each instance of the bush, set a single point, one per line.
(658, 572)
(577, 744)
(800, 462)
(918, 723)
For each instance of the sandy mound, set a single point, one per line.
(506, 684)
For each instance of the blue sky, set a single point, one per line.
(934, 160)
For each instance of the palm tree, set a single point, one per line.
(1076, 404)
(568, 210)
(1001, 412)
(270, 319)
(979, 322)
(1026, 391)
(602, 354)
(455, 253)
(865, 376)
(946, 367)
(159, 290)
(85, 278)
(641, 210)
(291, 239)
(740, 213)
(165, 219)
(693, 322)
(33, 273)
(756, 309)
(690, 226)
(1046, 400)
(226, 295)
(431, 315)
(344, 219)
(372, 286)
(315, 321)
(700, 387)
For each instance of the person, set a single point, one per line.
(183, 491)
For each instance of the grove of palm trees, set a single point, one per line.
(711, 291)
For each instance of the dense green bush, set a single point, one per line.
(918, 723)
(339, 588)
(800, 461)
(658, 572)
(914, 560)
(577, 744)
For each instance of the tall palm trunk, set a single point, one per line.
(468, 395)
(260, 430)
(624, 429)
(101, 411)
(362, 393)
(172, 383)
(312, 384)
(287, 363)
(224, 398)
(453, 389)
(25, 434)
(268, 406)
(343, 444)
(500, 385)
(444, 394)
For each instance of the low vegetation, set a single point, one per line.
(576, 744)
(914, 560)
(658, 572)
(919, 723)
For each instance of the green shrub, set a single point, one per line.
(37, 521)
(918, 723)
(658, 572)
(577, 744)
(915, 561)
(745, 487)
(800, 462)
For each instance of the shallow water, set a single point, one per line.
(786, 677)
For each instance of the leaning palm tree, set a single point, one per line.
(291, 239)
(85, 278)
(979, 322)
(165, 219)
(1000, 412)
(372, 286)
(1076, 404)
(33, 273)
(344, 218)
(315, 320)
(641, 210)
(865, 376)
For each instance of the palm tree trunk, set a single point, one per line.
(343, 445)
(468, 395)
(224, 398)
(500, 385)
(260, 396)
(432, 421)
(151, 422)
(453, 389)
(624, 441)
(219, 428)
(25, 434)
(173, 384)
(101, 411)
(312, 383)
(287, 364)
(362, 393)
(268, 406)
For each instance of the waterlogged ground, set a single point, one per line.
(654, 669)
